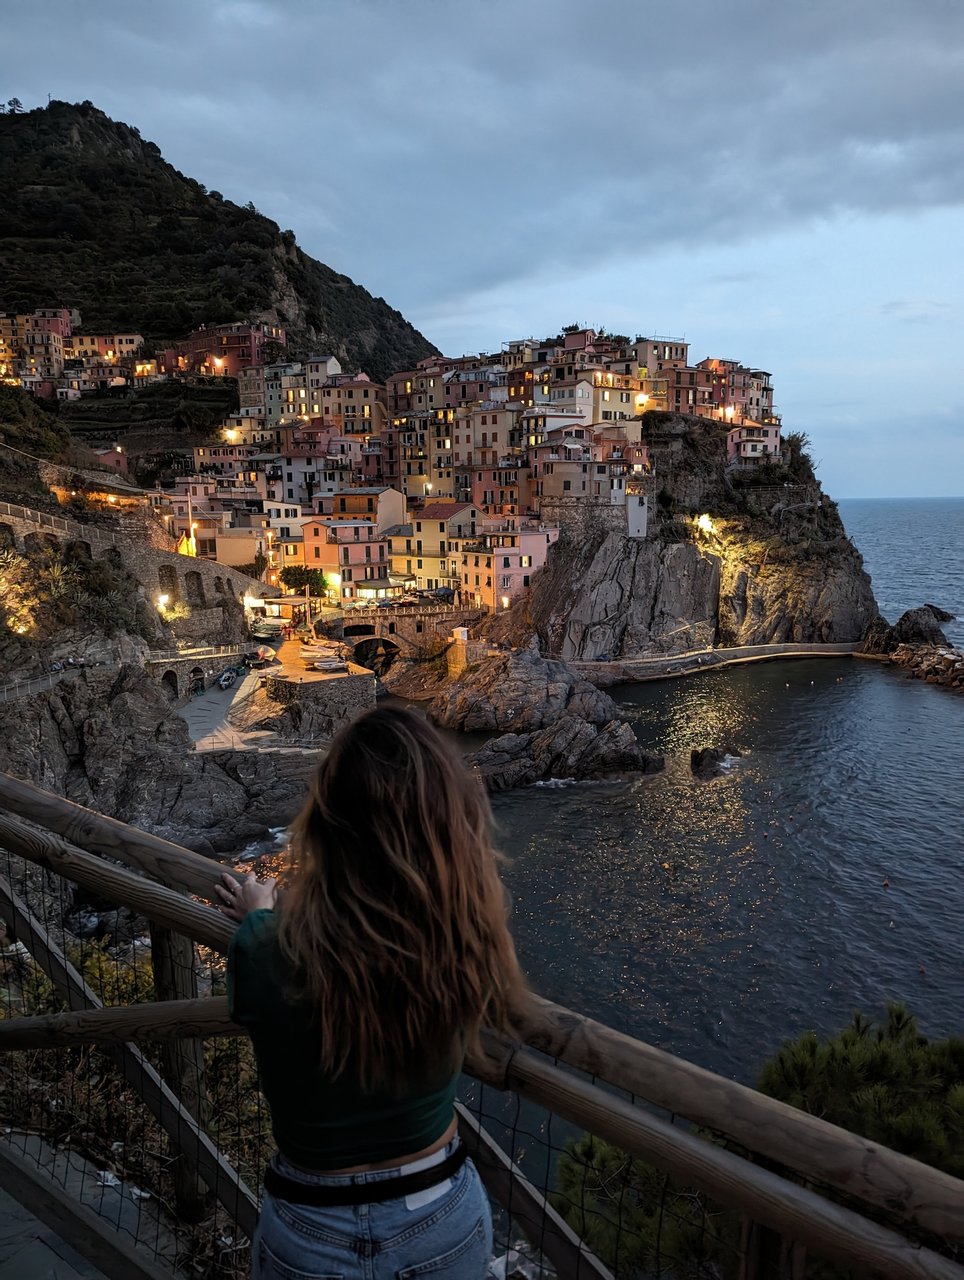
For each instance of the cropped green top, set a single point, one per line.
(320, 1123)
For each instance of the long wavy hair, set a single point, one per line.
(394, 918)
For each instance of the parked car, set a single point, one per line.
(227, 678)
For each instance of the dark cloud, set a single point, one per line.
(434, 147)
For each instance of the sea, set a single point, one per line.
(822, 873)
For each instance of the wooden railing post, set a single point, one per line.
(182, 1063)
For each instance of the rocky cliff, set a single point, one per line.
(725, 563)
(109, 740)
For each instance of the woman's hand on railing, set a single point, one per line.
(240, 894)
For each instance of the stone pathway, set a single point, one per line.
(31, 1251)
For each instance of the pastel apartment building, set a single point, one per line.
(497, 566)
(352, 554)
(223, 350)
(425, 551)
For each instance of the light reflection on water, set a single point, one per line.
(717, 918)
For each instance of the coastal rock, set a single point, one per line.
(937, 664)
(571, 748)
(915, 627)
(521, 692)
(109, 740)
(709, 762)
(609, 597)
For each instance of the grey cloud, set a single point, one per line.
(432, 148)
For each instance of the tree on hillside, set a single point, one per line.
(14, 107)
(296, 577)
(888, 1083)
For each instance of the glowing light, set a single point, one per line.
(231, 435)
(111, 497)
(162, 600)
(705, 524)
(505, 602)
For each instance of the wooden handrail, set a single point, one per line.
(917, 1193)
(830, 1229)
(153, 1020)
(162, 905)
(901, 1187)
(164, 861)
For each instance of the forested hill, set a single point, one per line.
(93, 217)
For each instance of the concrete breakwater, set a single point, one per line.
(603, 674)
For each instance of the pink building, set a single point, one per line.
(223, 349)
(748, 446)
(352, 555)
(497, 565)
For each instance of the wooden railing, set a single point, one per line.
(877, 1212)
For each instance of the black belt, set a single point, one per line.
(322, 1197)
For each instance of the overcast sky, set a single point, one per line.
(777, 181)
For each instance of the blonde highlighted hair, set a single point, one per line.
(394, 919)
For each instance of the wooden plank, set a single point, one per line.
(903, 1188)
(182, 1062)
(117, 1257)
(164, 1020)
(828, 1229)
(159, 904)
(542, 1226)
(177, 1122)
(165, 861)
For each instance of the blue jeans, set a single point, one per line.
(441, 1234)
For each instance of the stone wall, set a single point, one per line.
(339, 697)
(212, 591)
(582, 519)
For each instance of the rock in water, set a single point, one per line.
(520, 692)
(569, 749)
(709, 762)
(915, 627)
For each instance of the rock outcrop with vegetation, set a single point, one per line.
(729, 560)
(93, 217)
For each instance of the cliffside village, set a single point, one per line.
(453, 477)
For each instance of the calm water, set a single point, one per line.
(717, 919)
(914, 551)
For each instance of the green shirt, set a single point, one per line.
(320, 1123)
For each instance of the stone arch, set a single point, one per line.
(8, 539)
(194, 587)
(34, 544)
(169, 682)
(219, 586)
(376, 653)
(167, 582)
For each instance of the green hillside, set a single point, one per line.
(93, 217)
